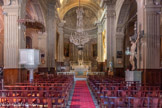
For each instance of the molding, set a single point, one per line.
(103, 16)
(86, 3)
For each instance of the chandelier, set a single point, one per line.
(79, 38)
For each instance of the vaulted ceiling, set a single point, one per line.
(67, 12)
(66, 5)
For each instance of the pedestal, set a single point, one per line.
(31, 78)
(133, 76)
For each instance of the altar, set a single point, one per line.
(80, 71)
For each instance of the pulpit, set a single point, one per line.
(30, 59)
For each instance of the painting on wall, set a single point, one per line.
(66, 49)
(94, 50)
(119, 54)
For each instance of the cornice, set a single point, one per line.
(105, 3)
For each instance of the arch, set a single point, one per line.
(94, 7)
(122, 14)
(89, 19)
(126, 10)
(34, 11)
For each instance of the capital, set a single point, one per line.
(105, 3)
(61, 24)
(99, 25)
(10, 2)
(111, 13)
(60, 30)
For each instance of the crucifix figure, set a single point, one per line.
(133, 54)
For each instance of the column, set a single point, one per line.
(99, 44)
(51, 36)
(14, 39)
(149, 45)
(152, 36)
(110, 32)
(61, 43)
(100, 48)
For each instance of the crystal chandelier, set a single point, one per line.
(79, 38)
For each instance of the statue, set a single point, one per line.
(133, 55)
(79, 12)
(110, 71)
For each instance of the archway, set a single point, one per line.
(90, 4)
(124, 29)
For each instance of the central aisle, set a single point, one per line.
(81, 96)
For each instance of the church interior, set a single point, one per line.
(80, 53)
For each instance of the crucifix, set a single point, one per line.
(133, 50)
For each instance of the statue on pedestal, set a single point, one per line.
(110, 71)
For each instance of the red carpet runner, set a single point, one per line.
(81, 96)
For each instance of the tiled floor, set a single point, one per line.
(82, 96)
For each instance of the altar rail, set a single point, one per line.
(96, 73)
(65, 73)
(88, 73)
(84, 62)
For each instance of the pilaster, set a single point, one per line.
(151, 40)
(61, 43)
(110, 31)
(99, 44)
(51, 35)
(14, 39)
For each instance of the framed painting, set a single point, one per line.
(119, 54)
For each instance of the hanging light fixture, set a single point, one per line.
(80, 37)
